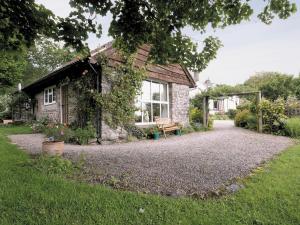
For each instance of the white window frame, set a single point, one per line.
(151, 101)
(52, 88)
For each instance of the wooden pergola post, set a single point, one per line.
(205, 111)
(260, 120)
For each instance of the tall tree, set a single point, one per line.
(12, 66)
(272, 84)
(44, 57)
(134, 22)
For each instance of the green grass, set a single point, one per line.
(28, 196)
(293, 127)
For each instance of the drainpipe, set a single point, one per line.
(98, 109)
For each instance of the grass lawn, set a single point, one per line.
(28, 196)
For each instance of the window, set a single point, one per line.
(153, 101)
(49, 96)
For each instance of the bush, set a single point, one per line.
(40, 125)
(5, 115)
(273, 116)
(135, 131)
(187, 130)
(251, 122)
(83, 135)
(292, 127)
(241, 117)
(195, 115)
(231, 113)
(59, 132)
(210, 123)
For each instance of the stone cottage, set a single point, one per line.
(165, 91)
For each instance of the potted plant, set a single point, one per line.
(178, 132)
(54, 143)
(155, 133)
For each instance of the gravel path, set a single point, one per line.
(196, 163)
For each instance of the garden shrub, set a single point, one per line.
(241, 117)
(73, 135)
(273, 116)
(40, 125)
(135, 131)
(187, 130)
(251, 121)
(292, 127)
(231, 113)
(210, 123)
(195, 115)
(83, 135)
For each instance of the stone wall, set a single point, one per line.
(51, 111)
(179, 106)
(179, 103)
(108, 133)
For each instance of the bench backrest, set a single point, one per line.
(162, 121)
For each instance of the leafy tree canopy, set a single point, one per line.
(28, 65)
(157, 22)
(12, 66)
(272, 84)
(45, 56)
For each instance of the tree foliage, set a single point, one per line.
(12, 65)
(22, 22)
(45, 56)
(156, 22)
(272, 84)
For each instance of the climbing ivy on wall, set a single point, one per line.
(116, 102)
(124, 81)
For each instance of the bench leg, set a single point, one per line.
(165, 134)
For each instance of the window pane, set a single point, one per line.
(155, 91)
(54, 95)
(163, 92)
(156, 110)
(147, 116)
(138, 113)
(46, 96)
(146, 91)
(164, 110)
(50, 98)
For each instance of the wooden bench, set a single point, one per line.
(166, 125)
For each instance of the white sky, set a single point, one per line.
(248, 48)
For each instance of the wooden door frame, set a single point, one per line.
(61, 104)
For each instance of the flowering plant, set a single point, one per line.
(55, 132)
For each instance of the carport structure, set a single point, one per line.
(258, 100)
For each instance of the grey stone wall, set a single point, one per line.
(51, 111)
(108, 133)
(179, 106)
(179, 103)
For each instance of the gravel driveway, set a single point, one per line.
(196, 163)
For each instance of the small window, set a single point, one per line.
(49, 96)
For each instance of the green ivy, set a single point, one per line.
(125, 82)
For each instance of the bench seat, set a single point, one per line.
(166, 125)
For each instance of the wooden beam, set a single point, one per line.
(204, 112)
(260, 120)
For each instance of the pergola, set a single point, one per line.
(258, 97)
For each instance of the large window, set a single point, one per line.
(49, 96)
(153, 101)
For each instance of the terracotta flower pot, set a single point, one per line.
(53, 147)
